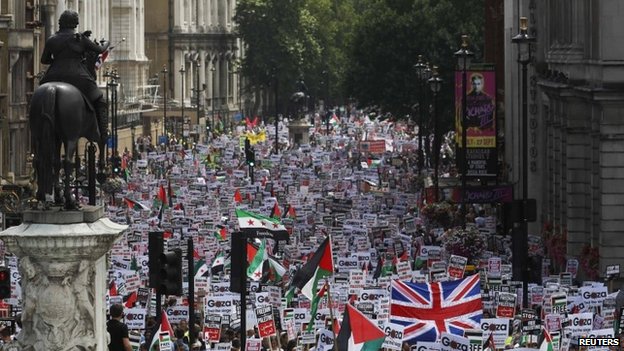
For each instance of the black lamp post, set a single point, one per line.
(420, 68)
(435, 83)
(524, 40)
(463, 60)
(182, 73)
(164, 73)
(213, 69)
(133, 145)
(114, 84)
(275, 92)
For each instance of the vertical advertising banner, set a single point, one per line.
(481, 158)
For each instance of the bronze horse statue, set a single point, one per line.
(60, 115)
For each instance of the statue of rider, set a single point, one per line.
(67, 52)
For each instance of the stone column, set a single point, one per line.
(578, 167)
(63, 277)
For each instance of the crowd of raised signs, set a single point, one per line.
(359, 185)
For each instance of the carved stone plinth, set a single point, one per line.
(299, 131)
(63, 277)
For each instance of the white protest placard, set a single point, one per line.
(427, 346)
(594, 295)
(494, 267)
(404, 270)
(357, 281)
(498, 327)
(135, 318)
(346, 264)
(222, 346)
(456, 267)
(581, 323)
(326, 341)
(394, 336)
(452, 342)
(253, 344)
(176, 314)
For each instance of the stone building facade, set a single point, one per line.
(199, 37)
(576, 109)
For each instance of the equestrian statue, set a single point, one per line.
(67, 106)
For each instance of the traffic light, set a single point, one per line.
(250, 155)
(155, 250)
(171, 273)
(116, 163)
(5, 283)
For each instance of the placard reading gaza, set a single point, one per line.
(452, 342)
(135, 318)
(266, 324)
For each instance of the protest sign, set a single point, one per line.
(266, 324)
(457, 266)
(452, 342)
(394, 336)
(506, 305)
(212, 328)
(498, 328)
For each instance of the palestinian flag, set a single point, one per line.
(254, 271)
(162, 196)
(315, 302)
(112, 289)
(261, 226)
(135, 205)
(276, 212)
(358, 333)
(378, 268)
(547, 343)
(163, 334)
(271, 270)
(489, 343)
(221, 233)
(290, 212)
(130, 299)
(238, 198)
(218, 264)
(319, 266)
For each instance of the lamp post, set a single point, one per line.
(114, 84)
(213, 69)
(164, 73)
(420, 68)
(463, 60)
(435, 83)
(524, 40)
(133, 145)
(182, 72)
(275, 90)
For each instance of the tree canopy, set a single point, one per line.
(365, 49)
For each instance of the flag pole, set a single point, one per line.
(331, 314)
(329, 299)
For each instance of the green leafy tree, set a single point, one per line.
(388, 40)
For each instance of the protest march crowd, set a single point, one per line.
(344, 252)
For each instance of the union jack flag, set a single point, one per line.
(428, 309)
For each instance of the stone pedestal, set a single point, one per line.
(299, 131)
(63, 277)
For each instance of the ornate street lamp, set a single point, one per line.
(164, 73)
(524, 40)
(213, 69)
(182, 73)
(463, 61)
(420, 68)
(435, 83)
